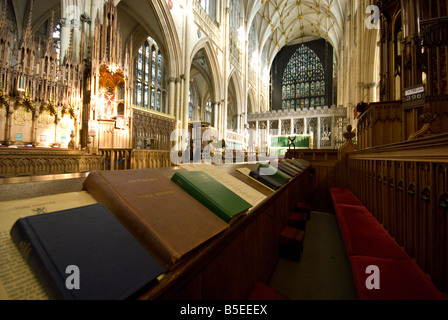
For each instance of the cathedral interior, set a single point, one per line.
(357, 87)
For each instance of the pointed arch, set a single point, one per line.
(251, 102)
(162, 29)
(205, 44)
(233, 80)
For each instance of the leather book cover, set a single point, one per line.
(110, 263)
(284, 168)
(267, 180)
(162, 216)
(274, 173)
(212, 194)
(290, 166)
(296, 164)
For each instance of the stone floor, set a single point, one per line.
(324, 272)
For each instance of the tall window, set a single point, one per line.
(208, 111)
(149, 76)
(210, 7)
(303, 84)
(57, 40)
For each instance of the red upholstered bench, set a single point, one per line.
(369, 244)
(344, 196)
(364, 235)
(263, 292)
(398, 280)
(291, 243)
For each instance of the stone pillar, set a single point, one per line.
(171, 102)
(215, 115)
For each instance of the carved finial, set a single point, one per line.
(50, 50)
(427, 118)
(51, 28)
(349, 135)
(28, 32)
(349, 146)
(5, 10)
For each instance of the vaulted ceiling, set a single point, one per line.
(286, 22)
(278, 22)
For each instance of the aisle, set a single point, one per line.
(324, 271)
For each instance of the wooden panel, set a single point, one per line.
(405, 186)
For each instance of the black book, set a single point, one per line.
(265, 179)
(85, 254)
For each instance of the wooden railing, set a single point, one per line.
(405, 186)
(313, 155)
(34, 162)
(129, 159)
(116, 159)
(150, 159)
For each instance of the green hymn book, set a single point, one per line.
(274, 173)
(212, 194)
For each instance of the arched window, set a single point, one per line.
(208, 111)
(303, 84)
(149, 76)
(57, 40)
(235, 15)
(252, 53)
(210, 7)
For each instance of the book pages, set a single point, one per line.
(240, 188)
(17, 282)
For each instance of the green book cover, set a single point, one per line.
(302, 162)
(274, 173)
(299, 164)
(212, 194)
(288, 165)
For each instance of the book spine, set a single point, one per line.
(100, 189)
(287, 172)
(202, 198)
(293, 169)
(296, 164)
(264, 179)
(37, 259)
(277, 175)
(281, 165)
(280, 178)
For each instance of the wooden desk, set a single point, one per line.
(228, 266)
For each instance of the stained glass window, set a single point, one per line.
(303, 84)
(149, 79)
(57, 40)
(208, 111)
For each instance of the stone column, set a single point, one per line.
(216, 114)
(171, 102)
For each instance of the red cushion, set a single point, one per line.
(292, 235)
(298, 220)
(304, 206)
(364, 235)
(398, 279)
(344, 196)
